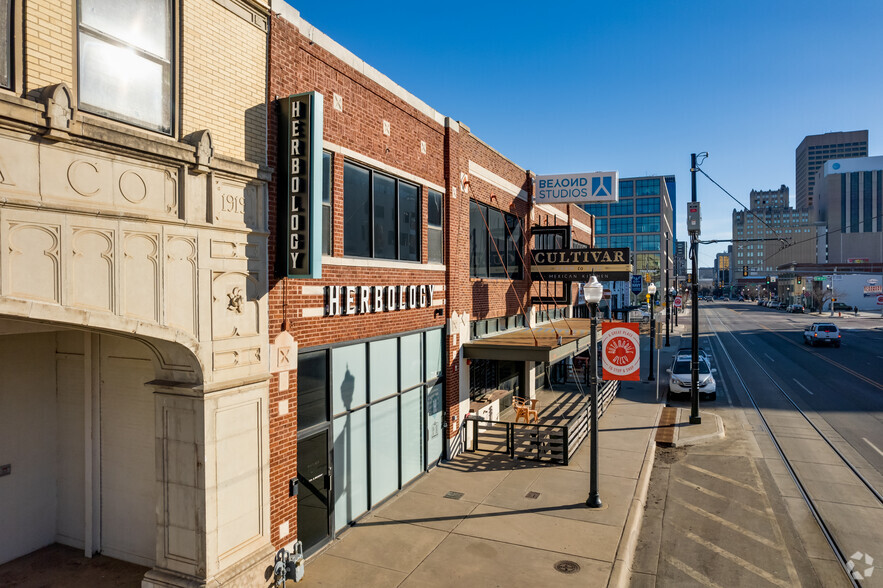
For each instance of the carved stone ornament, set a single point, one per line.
(60, 111)
(235, 300)
(205, 150)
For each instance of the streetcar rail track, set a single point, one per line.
(839, 553)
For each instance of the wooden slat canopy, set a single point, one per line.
(519, 345)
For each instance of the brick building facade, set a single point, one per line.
(341, 418)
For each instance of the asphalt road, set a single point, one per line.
(842, 386)
(729, 513)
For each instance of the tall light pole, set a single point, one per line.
(592, 292)
(667, 294)
(651, 297)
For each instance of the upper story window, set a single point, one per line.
(646, 187)
(381, 215)
(647, 205)
(125, 61)
(595, 209)
(623, 207)
(327, 189)
(495, 243)
(6, 44)
(626, 189)
(435, 232)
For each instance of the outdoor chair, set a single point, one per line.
(527, 409)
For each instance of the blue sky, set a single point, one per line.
(634, 86)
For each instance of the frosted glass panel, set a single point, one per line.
(348, 380)
(434, 429)
(433, 354)
(384, 368)
(412, 360)
(384, 457)
(350, 468)
(412, 434)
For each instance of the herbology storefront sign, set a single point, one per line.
(580, 264)
(584, 188)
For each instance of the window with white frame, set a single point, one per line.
(125, 61)
(6, 44)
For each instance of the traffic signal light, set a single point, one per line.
(767, 280)
(744, 270)
(799, 280)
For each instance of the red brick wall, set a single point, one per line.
(298, 66)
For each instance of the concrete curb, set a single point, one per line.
(620, 575)
(718, 434)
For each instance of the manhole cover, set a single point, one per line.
(532, 495)
(454, 495)
(565, 566)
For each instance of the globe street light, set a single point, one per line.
(592, 292)
(651, 296)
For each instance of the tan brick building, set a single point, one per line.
(133, 279)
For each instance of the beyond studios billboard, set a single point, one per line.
(581, 188)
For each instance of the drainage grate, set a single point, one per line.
(532, 495)
(565, 566)
(454, 495)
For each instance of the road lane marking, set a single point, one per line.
(723, 478)
(769, 358)
(831, 361)
(737, 560)
(713, 494)
(730, 525)
(877, 449)
(696, 575)
(802, 386)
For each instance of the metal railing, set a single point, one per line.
(535, 441)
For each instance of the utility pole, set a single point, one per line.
(693, 218)
(667, 292)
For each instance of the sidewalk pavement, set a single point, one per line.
(485, 520)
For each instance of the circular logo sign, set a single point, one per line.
(678, 302)
(621, 351)
(879, 299)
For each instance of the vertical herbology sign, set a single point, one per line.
(300, 186)
(620, 351)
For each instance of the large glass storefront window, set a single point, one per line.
(387, 401)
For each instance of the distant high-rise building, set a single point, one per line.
(850, 202)
(815, 150)
(642, 221)
(672, 187)
(771, 233)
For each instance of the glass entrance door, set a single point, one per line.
(313, 497)
(434, 429)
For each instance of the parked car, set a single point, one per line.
(796, 308)
(842, 307)
(680, 379)
(822, 333)
(781, 306)
(686, 350)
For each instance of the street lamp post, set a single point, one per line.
(651, 296)
(592, 292)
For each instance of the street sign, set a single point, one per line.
(637, 286)
(819, 279)
(678, 301)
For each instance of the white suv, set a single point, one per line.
(679, 379)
